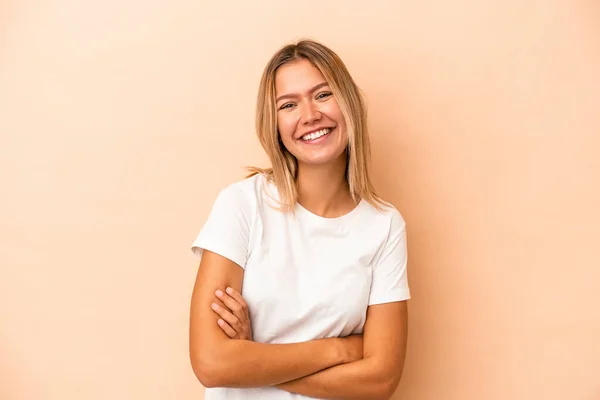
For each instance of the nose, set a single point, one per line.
(310, 113)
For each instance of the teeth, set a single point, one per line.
(316, 135)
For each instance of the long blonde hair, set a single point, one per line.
(346, 92)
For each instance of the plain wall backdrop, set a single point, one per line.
(121, 120)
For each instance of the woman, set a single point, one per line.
(322, 310)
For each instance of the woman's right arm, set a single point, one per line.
(219, 361)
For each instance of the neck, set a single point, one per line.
(323, 189)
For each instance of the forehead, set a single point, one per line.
(297, 77)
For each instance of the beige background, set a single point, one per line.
(120, 121)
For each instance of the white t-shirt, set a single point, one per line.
(305, 277)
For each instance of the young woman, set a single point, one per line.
(322, 309)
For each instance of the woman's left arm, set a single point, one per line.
(377, 375)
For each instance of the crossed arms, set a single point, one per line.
(367, 367)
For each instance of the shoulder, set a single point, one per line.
(247, 196)
(242, 193)
(387, 216)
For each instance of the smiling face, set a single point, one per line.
(310, 122)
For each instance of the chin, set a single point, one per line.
(322, 159)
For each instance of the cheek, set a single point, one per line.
(333, 111)
(286, 125)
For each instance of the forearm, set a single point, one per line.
(363, 379)
(242, 363)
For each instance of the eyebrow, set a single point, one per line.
(291, 95)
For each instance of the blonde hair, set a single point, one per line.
(346, 92)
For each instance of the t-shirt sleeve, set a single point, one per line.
(227, 228)
(390, 279)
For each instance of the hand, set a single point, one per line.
(353, 347)
(235, 316)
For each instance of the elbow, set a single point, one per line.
(204, 372)
(375, 388)
(207, 370)
(385, 391)
(381, 391)
(385, 388)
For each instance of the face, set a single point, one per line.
(309, 119)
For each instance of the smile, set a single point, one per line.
(316, 135)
